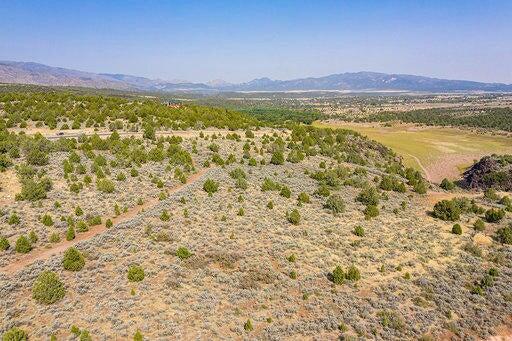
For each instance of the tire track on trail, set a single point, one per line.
(427, 174)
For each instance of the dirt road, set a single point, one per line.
(43, 253)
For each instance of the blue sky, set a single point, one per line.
(241, 40)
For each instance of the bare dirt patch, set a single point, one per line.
(9, 186)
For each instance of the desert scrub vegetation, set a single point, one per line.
(493, 215)
(73, 260)
(447, 210)
(15, 334)
(210, 186)
(447, 185)
(4, 243)
(371, 211)
(48, 288)
(135, 273)
(105, 185)
(338, 275)
(359, 231)
(293, 217)
(183, 253)
(23, 245)
(456, 229)
(335, 204)
(504, 235)
(337, 164)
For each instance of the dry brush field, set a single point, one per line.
(267, 234)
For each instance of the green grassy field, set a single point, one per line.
(438, 152)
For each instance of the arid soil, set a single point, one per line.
(249, 262)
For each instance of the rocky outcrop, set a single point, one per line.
(494, 171)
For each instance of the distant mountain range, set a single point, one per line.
(34, 73)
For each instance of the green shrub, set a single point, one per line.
(135, 273)
(5, 162)
(335, 204)
(270, 204)
(183, 253)
(494, 215)
(479, 225)
(390, 319)
(277, 158)
(15, 334)
(323, 191)
(294, 217)
(73, 260)
(48, 288)
(447, 185)
(210, 186)
(78, 211)
(4, 244)
(70, 233)
(214, 147)
(238, 173)
(75, 330)
(390, 183)
(32, 236)
(85, 336)
(371, 211)
(507, 202)
(447, 210)
(54, 237)
(23, 245)
(368, 196)
(241, 183)
(109, 223)
(248, 326)
(353, 274)
(504, 235)
(37, 157)
(359, 231)
(94, 221)
(164, 216)
(490, 193)
(14, 219)
(420, 187)
(472, 249)
(493, 272)
(81, 226)
(47, 220)
(303, 198)
(285, 192)
(105, 185)
(338, 276)
(295, 156)
(138, 336)
(33, 190)
(456, 229)
(269, 185)
(249, 134)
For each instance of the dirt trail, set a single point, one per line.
(45, 253)
(433, 197)
(427, 174)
